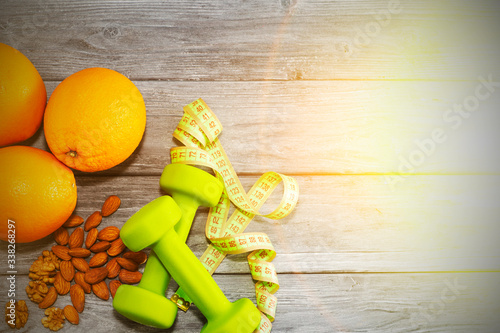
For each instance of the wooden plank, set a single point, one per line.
(326, 303)
(341, 223)
(261, 40)
(332, 127)
(289, 116)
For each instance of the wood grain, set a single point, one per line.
(392, 233)
(463, 302)
(341, 224)
(257, 40)
(332, 127)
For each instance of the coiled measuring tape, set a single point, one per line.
(198, 130)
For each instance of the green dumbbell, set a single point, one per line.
(146, 303)
(150, 227)
(190, 187)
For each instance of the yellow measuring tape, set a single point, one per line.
(198, 130)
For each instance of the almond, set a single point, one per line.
(129, 277)
(80, 279)
(113, 286)
(116, 247)
(93, 221)
(61, 252)
(139, 257)
(62, 286)
(67, 270)
(100, 246)
(98, 259)
(109, 234)
(61, 236)
(49, 299)
(77, 297)
(113, 268)
(96, 275)
(76, 238)
(101, 290)
(71, 314)
(79, 252)
(110, 205)
(91, 237)
(80, 264)
(127, 264)
(73, 221)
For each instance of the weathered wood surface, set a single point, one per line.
(257, 40)
(341, 224)
(391, 233)
(328, 127)
(413, 302)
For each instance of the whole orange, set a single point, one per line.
(22, 96)
(37, 192)
(94, 119)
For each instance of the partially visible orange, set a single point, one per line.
(37, 192)
(22, 96)
(95, 119)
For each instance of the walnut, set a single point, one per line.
(44, 268)
(54, 320)
(49, 256)
(36, 291)
(16, 314)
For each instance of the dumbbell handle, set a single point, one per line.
(156, 278)
(190, 274)
(188, 207)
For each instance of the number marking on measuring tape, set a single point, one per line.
(198, 130)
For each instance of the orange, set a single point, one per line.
(94, 119)
(22, 97)
(37, 192)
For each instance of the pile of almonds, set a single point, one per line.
(90, 266)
